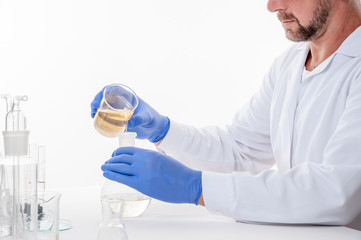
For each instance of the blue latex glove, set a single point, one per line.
(154, 174)
(146, 122)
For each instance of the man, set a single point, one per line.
(306, 118)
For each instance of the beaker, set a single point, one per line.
(116, 108)
(48, 215)
(112, 227)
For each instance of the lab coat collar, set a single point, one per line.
(350, 47)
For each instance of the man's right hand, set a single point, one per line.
(146, 122)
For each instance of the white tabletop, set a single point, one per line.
(181, 221)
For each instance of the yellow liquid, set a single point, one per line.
(110, 123)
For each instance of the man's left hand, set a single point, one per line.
(154, 174)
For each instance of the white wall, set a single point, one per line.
(196, 61)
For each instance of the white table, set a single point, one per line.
(163, 221)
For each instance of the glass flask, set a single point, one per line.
(116, 108)
(112, 227)
(134, 202)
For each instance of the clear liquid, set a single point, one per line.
(134, 204)
(110, 123)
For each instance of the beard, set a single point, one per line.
(310, 32)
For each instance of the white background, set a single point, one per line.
(196, 61)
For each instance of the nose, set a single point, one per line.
(276, 5)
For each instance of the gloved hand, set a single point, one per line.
(154, 174)
(146, 122)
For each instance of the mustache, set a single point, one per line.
(285, 16)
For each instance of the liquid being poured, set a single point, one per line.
(110, 123)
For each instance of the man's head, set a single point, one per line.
(302, 20)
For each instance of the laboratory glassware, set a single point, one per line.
(39, 152)
(111, 226)
(5, 210)
(18, 207)
(134, 202)
(48, 215)
(16, 136)
(116, 108)
(18, 187)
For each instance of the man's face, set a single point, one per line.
(305, 24)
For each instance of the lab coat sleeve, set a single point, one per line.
(310, 193)
(242, 146)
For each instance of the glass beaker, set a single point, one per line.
(116, 108)
(48, 215)
(112, 227)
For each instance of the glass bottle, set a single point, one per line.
(18, 176)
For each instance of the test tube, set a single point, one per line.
(41, 168)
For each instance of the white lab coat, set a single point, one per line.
(310, 128)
